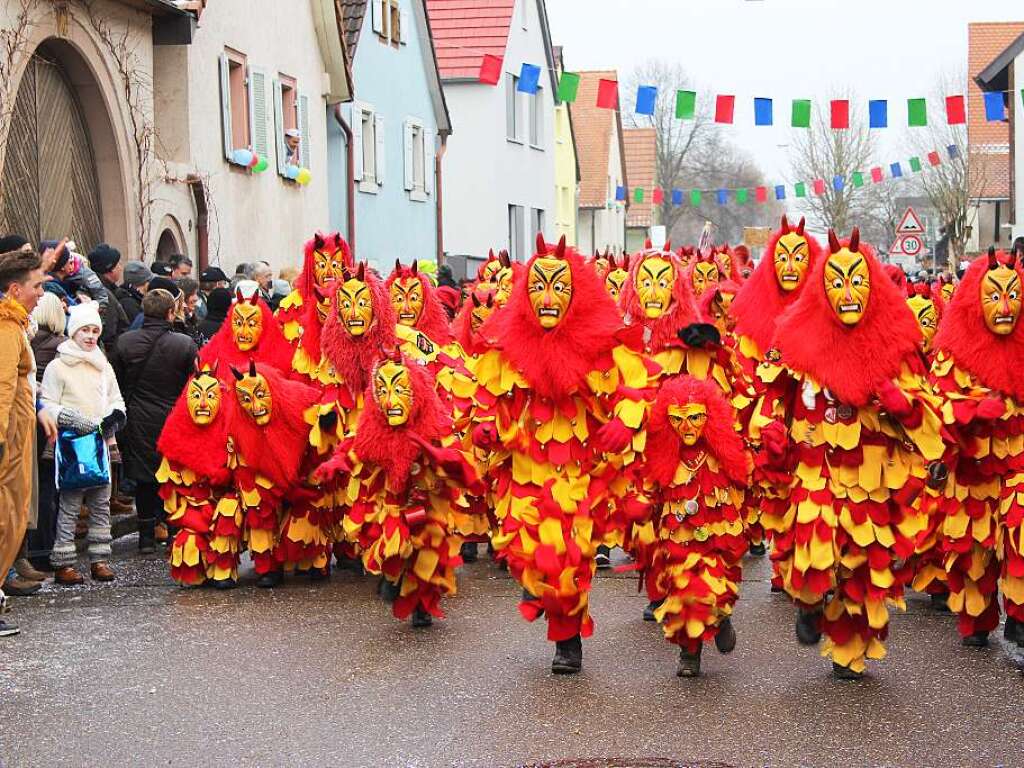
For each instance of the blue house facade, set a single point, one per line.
(398, 122)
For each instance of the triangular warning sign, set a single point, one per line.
(910, 224)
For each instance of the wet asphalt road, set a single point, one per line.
(144, 673)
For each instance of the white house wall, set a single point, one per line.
(1017, 70)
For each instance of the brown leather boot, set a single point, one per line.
(26, 570)
(101, 572)
(160, 533)
(118, 507)
(68, 576)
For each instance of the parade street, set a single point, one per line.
(143, 672)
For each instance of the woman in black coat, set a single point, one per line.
(152, 366)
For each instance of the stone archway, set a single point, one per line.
(167, 246)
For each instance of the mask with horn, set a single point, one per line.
(550, 284)
(407, 294)
(792, 256)
(246, 322)
(253, 393)
(203, 396)
(847, 278)
(1001, 294)
(355, 302)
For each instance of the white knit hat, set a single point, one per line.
(84, 314)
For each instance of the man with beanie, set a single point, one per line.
(71, 270)
(106, 262)
(136, 277)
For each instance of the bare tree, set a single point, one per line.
(678, 140)
(820, 152)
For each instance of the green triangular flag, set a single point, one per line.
(857, 179)
(695, 197)
(800, 189)
(638, 195)
(568, 87)
(741, 195)
(686, 104)
(915, 164)
(917, 112)
(801, 113)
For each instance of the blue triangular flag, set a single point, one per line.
(780, 191)
(995, 107)
(646, 98)
(762, 111)
(723, 196)
(896, 170)
(878, 110)
(529, 78)
(838, 182)
(954, 151)
(620, 193)
(677, 197)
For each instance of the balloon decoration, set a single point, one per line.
(242, 157)
(304, 176)
(254, 161)
(291, 172)
(261, 166)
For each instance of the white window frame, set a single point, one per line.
(536, 223)
(364, 139)
(381, 20)
(535, 119)
(523, 13)
(516, 232)
(513, 110)
(417, 145)
(227, 58)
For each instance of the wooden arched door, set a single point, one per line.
(50, 188)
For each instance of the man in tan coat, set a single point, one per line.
(21, 283)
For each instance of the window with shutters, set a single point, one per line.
(291, 136)
(516, 223)
(394, 8)
(418, 146)
(382, 19)
(236, 115)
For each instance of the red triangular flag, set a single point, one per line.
(933, 158)
(819, 186)
(955, 112)
(659, 195)
(490, 69)
(761, 194)
(840, 114)
(876, 175)
(608, 94)
(724, 106)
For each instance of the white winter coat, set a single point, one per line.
(82, 381)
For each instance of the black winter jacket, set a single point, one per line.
(131, 302)
(115, 320)
(150, 389)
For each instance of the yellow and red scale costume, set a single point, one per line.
(694, 472)
(404, 476)
(195, 484)
(250, 332)
(269, 418)
(979, 357)
(560, 388)
(855, 420)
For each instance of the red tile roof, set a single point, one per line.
(465, 30)
(641, 167)
(595, 129)
(988, 142)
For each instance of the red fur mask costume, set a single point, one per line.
(325, 257)
(850, 360)
(353, 357)
(432, 320)
(201, 448)
(682, 310)
(761, 301)
(271, 348)
(475, 310)
(557, 361)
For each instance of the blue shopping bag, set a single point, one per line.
(82, 461)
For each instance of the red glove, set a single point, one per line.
(774, 438)
(991, 408)
(614, 436)
(894, 401)
(336, 465)
(485, 435)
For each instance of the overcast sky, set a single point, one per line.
(783, 49)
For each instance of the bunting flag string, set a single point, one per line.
(779, 192)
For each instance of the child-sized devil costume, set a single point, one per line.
(561, 388)
(978, 364)
(195, 484)
(856, 424)
(694, 473)
(404, 477)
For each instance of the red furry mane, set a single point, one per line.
(201, 449)
(329, 244)
(851, 361)
(996, 361)
(353, 358)
(683, 312)
(433, 320)
(272, 349)
(389, 447)
(473, 342)
(719, 438)
(277, 449)
(761, 301)
(556, 362)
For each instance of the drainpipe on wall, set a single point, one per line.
(351, 180)
(202, 222)
(440, 201)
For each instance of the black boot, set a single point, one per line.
(568, 656)
(1013, 632)
(421, 619)
(777, 588)
(468, 552)
(270, 580)
(839, 672)
(940, 602)
(758, 550)
(808, 626)
(603, 558)
(318, 574)
(223, 584)
(977, 640)
(387, 591)
(651, 608)
(725, 640)
(147, 538)
(689, 663)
